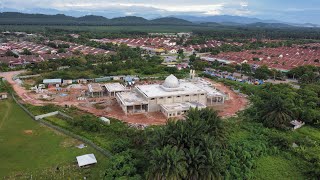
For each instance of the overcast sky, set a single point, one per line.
(301, 11)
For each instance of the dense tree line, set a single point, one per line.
(305, 74)
(261, 33)
(127, 61)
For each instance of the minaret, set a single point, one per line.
(192, 74)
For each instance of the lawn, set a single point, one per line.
(30, 149)
(277, 167)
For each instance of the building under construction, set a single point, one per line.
(173, 98)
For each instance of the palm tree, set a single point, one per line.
(196, 160)
(214, 124)
(167, 163)
(276, 113)
(189, 149)
(215, 164)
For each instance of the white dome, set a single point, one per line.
(171, 82)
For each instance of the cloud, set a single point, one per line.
(163, 7)
(285, 10)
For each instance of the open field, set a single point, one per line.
(28, 148)
(274, 167)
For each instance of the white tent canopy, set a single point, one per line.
(86, 159)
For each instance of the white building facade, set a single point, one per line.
(173, 98)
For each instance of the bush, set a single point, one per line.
(280, 141)
(88, 123)
(120, 146)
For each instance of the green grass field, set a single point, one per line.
(30, 149)
(277, 168)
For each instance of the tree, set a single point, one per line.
(61, 50)
(246, 68)
(197, 143)
(181, 54)
(26, 52)
(215, 52)
(276, 114)
(167, 163)
(11, 53)
(122, 166)
(53, 45)
(192, 58)
(262, 72)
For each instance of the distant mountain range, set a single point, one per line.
(15, 18)
(61, 19)
(241, 20)
(225, 18)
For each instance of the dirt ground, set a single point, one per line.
(235, 103)
(107, 106)
(29, 132)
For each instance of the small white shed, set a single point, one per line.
(3, 95)
(86, 159)
(104, 119)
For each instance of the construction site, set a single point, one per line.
(141, 102)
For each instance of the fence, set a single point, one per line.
(26, 77)
(64, 131)
(80, 138)
(24, 108)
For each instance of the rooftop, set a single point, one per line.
(48, 81)
(115, 87)
(86, 159)
(182, 106)
(94, 87)
(131, 98)
(208, 87)
(157, 90)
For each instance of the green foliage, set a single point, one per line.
(87, 123)
(262, 72)
(26, 52)
(305, 74)
(61, 50)
(276, 105)
(276, 113)
(122, 166)
(167, 163)
(4, 67)
(278, 167)
(10, 53)
(127, 61)
(192, 148)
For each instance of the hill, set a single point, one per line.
(14, 18)
(268, 25)
(225, 18)
(92, 18)
(171, 20)
(129, 20)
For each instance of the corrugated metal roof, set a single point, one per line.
(52, 81)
